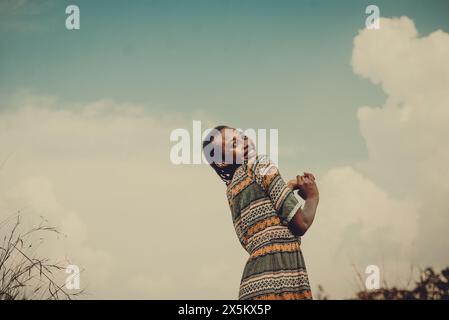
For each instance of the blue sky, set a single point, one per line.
(250, 64)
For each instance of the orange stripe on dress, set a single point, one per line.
(269, 177)
(276, 247)
(272, 221)
(286, 296)
(241, 185)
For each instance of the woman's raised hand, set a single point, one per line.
(306, 186)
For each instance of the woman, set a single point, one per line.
(267, 217)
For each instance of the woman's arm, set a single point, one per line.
(303, 218)
(308, 190)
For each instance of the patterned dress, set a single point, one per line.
(261, 206)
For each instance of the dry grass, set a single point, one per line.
(430, 285)
(23, 274)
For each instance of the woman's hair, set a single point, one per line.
(227, 172)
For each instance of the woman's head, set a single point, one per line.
(225, 149)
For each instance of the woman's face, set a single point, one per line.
(235, 146)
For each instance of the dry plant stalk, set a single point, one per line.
(23, 274)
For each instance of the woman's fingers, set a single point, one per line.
(309, 175)
(306, 178)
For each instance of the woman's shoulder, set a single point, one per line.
(259, 159)
(260, 165)
(250, 169)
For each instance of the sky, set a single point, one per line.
(85, 119)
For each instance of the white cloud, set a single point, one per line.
(139, 226)
(358, 224)
(392, 210)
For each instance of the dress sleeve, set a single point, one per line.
(267, 176)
